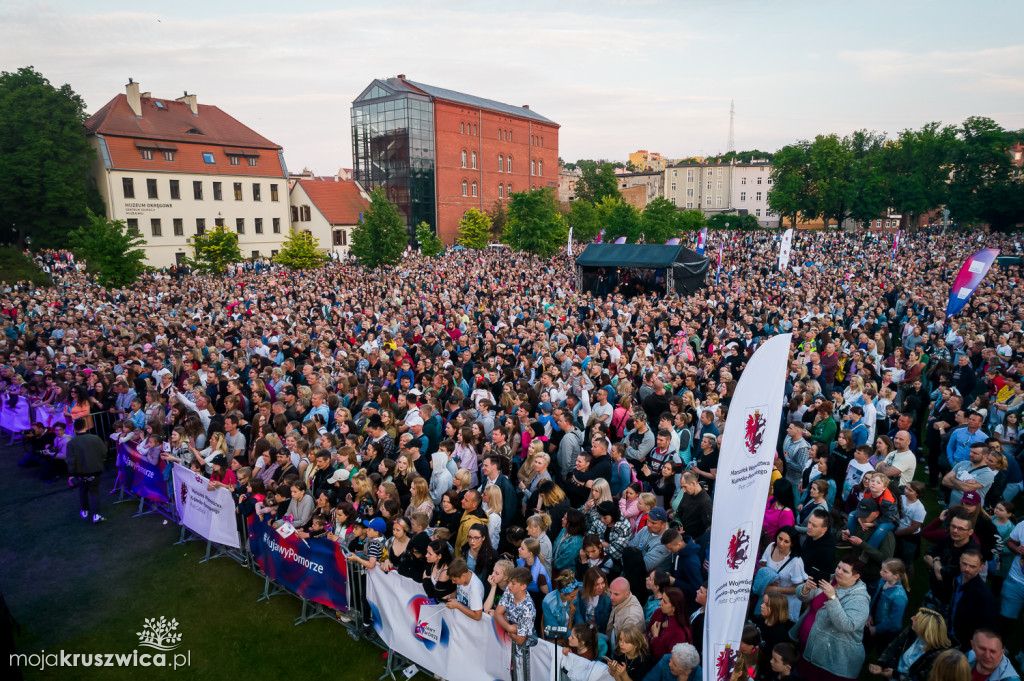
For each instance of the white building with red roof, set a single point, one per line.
(174, 168)
(329, 209)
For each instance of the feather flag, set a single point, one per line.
(672, 242)
(621, 240)
(702, 239)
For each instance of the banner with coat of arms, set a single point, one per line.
(741, 491)
(209, 513)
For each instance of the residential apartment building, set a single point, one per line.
(647, 161)
(651, 186)
(174, 168)
(329, 209)
(750, 186)
(439, 152)
(695, 186)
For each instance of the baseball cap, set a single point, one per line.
(971, 498)
(288, 389)
(414, 420)
(340, 475)
(545, 407)
(376, 524)
(658, 514)
(371, 405)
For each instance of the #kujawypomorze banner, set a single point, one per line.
(143, 478)
(314, 569)
(209, 513)
(741, 490)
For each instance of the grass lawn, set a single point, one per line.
(81, 588)
(15, 267)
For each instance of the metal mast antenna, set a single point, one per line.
(731, 146)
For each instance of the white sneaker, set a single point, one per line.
(97, 518)
(84, 514)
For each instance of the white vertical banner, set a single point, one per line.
(785, 248)
(209, 513)
(741, 489)
(570, 241)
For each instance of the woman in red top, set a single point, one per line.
(669, 624)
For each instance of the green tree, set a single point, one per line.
(831, 163)
(597, 183)
(916, 165)
(111, 251)
(660, 221)
(214, 250)
(474, 229)
(620, 219)
(585, 220)
(45, 190)
(301, 251)
(981, 187)
(692, 220)
(792, 195)
(381, 238)
(535, 224)
(430, 245)
(870, 196)
(499, 218)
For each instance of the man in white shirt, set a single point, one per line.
(899, 463)
(603, 410)
(469, 596)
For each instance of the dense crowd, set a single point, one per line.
(549, 456)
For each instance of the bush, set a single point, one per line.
(15, 267)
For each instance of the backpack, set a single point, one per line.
(619, 422)
(632, 471)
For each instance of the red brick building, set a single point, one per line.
(476, 151)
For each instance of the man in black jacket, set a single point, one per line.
(972, 604)
(819, 546)
(85, 456)
(694, 509)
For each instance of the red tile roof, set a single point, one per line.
(172, 122)
(125, 154)
(340, 202)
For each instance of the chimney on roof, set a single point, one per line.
(146, 94)
(401, 76)
(132, 92)
(526, 106)
(191, 101)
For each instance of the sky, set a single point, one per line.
(617, 75)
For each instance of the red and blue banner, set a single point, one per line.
(718, 273)
(702, 240)
(144, 478)
(969, 278)
(313, 569)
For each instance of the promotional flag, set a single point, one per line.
(970, 276)
(570, 242)
(785, 248)
(896, 243)
(600, 236)
(621, 240)
(718, 274)
(741, 489)
(702, 240)
(674, 241)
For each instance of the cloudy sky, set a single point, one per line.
(618, 75)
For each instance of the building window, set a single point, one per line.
(689, 175)
(233, 159)
(769, 181)
(168, 155)
(719, 185)
(508, 191)
(208, 157)
(508, 135)
(179, 227)
(673, 186)
(462, 128)
(533, 167)
(508, 166)
(673, 200)
(501, 191)
(743, 196)
(251, 160)
(689, 204)
(295, 213)
(277, 225)
(743, 180)
(759, 180)
(217, 193)
(707, 201)
(474, 129)
(540, 168)
(200, 226)
(542, 141)
(473, 159)
(128, 186)
(240, 225)
(238, 191)
(465, 188)
(258, 226)
(463, 158)
(718, 201)
(501, 134)
(689, 193)
(256, 192)
(151, 189)
(273, 192)
(197, 190)
(306, 214)
(757, 212)
(501, 163)
(719, 172)
(175, 190)
(154, 226)
(336, 234)
(474, 189)
(218, 222)
(759, 196)
(133, 225)
(147, 154)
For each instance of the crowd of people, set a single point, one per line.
(549, 455)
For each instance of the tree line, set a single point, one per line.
(964, 168)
